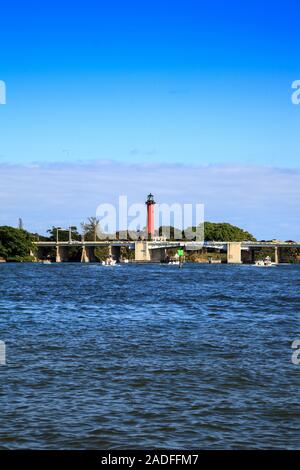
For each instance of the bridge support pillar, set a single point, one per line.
(60, 254)
(33, 255)
(84, 255)
(109, 247)
(234, 252)
(57, 257)
(114, 251)
(142, 252)
(277, 255)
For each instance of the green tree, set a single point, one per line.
(212, 232)
(126, 253)
(101, 253)
(170, 232)
(74, 252)
(91, 228)
(225, 232)
(16, 244)
(63, 234)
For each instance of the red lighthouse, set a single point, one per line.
(150, 215)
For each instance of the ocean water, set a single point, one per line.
(149, 356)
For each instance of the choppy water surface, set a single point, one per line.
(149, 356)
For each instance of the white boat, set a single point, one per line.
(109, 262)
(266, 263)
(46, 261)
(175, 260)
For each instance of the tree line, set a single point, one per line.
(17, 244)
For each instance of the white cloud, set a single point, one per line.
(263, 200)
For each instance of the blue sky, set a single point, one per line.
(163, 82)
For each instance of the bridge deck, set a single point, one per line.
(168, 244)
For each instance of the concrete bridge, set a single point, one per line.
(155, 251)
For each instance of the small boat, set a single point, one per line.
(109, 262)
(175, 260)
(266, 263)
(46, 261)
